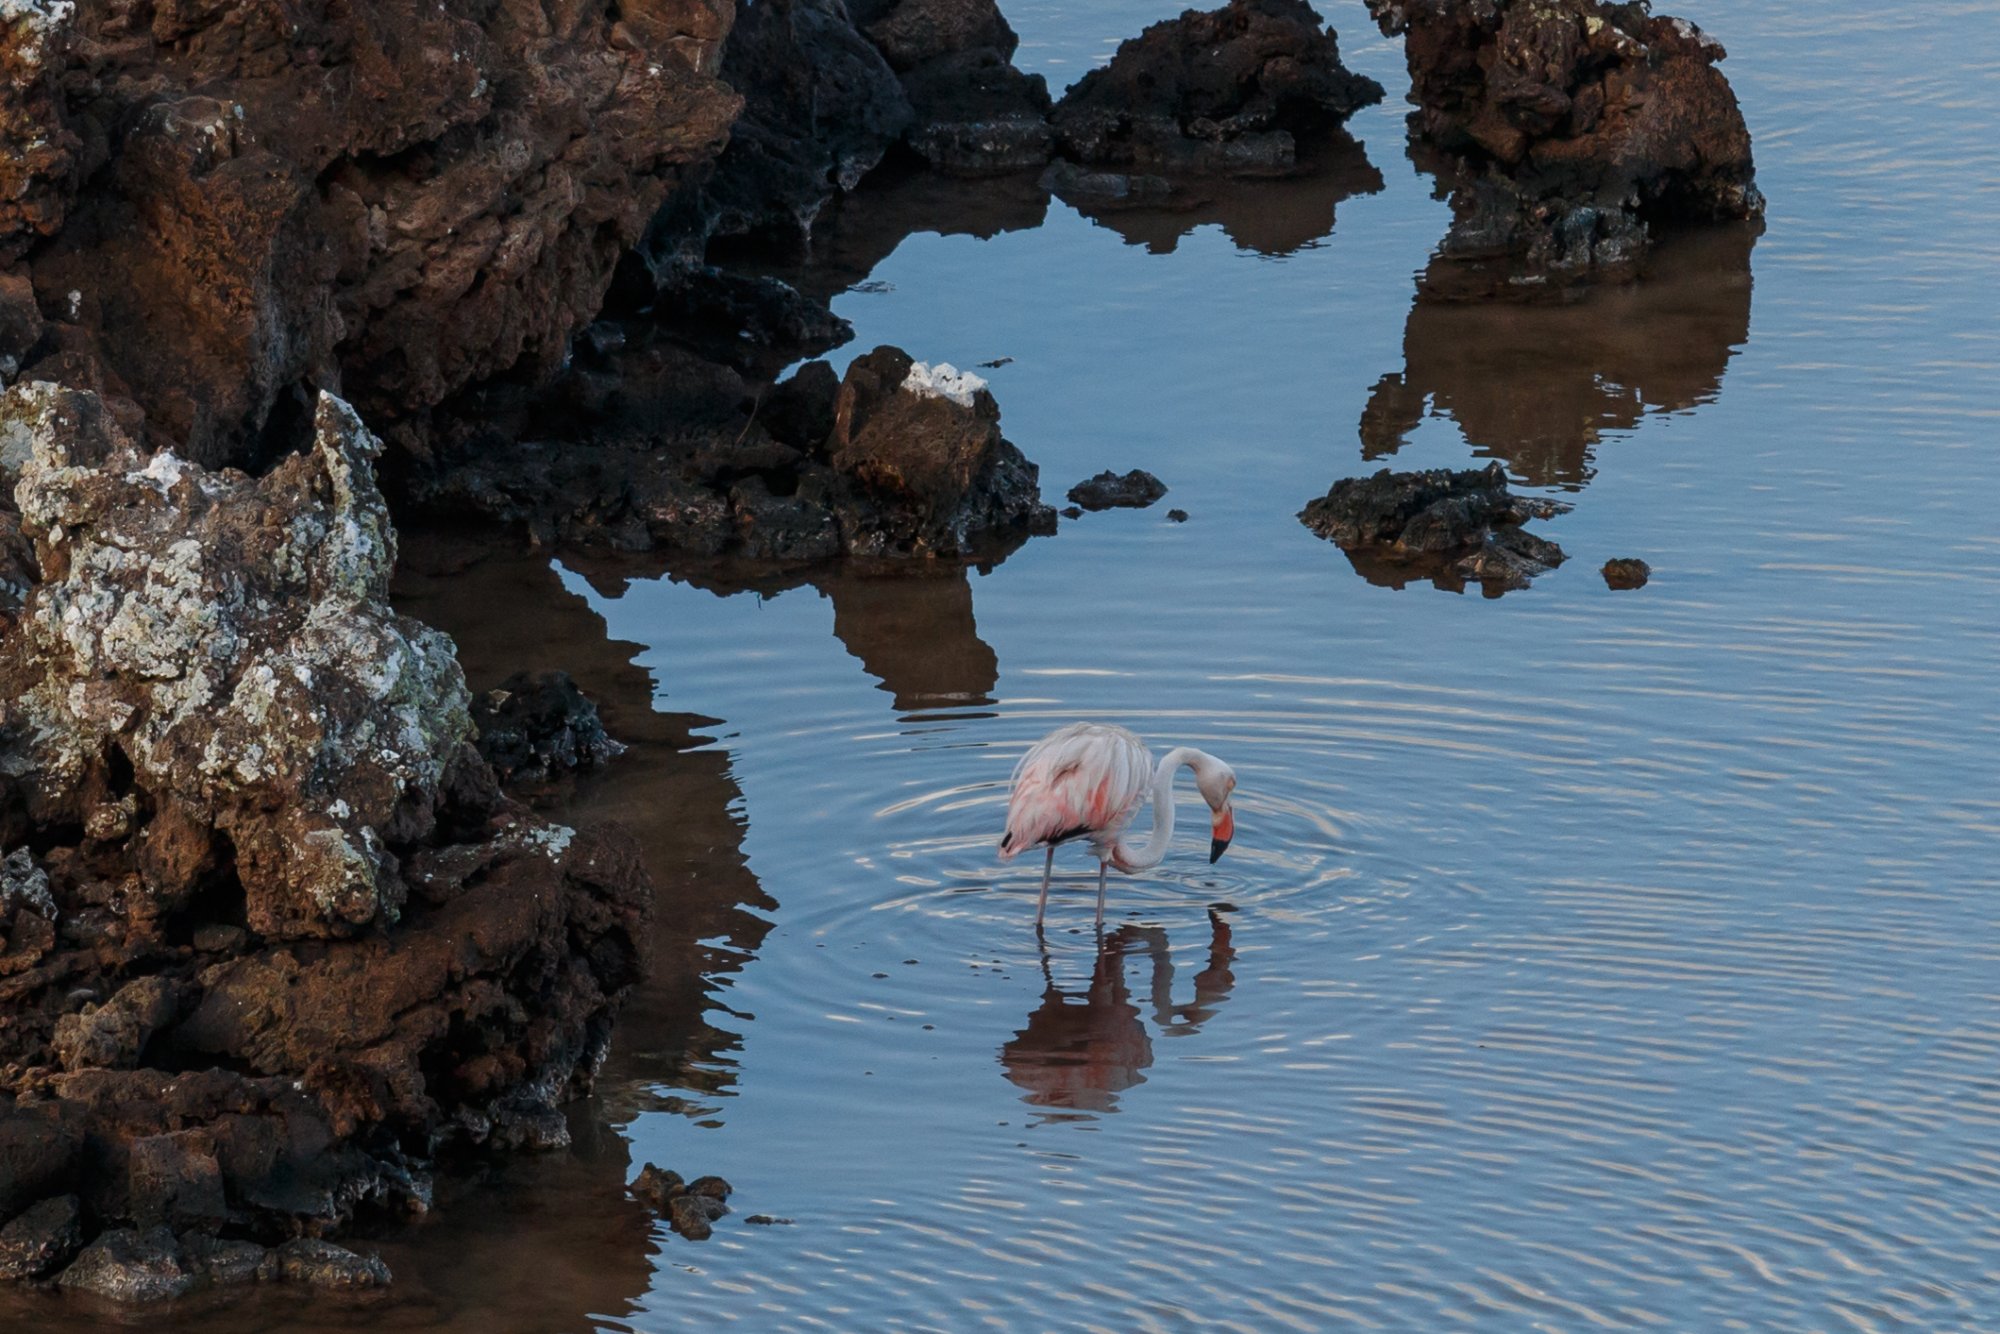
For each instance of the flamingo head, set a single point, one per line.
(1216, 781)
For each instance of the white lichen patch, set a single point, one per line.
(551, 840)
(943, 380)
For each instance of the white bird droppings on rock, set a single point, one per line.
(943, 380)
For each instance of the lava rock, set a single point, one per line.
(657, 1187)
(114, 1034)
(538, 725)
(1225, 92)
(710, 1187)
(1134, 490)
(693, 1215)
(40, 1144)
(323, 1265)
(1626, 572)
(1445, 525)
(223, 1262)
(41, 1240)
(1177, 516)
(126, 1265)
(1564, 128)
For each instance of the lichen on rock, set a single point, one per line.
(225, 643)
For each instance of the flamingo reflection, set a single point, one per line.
(1079, 1051)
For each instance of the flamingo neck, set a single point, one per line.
(1155, 850)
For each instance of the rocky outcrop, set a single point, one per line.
(222, 207)
(279, 941)
(1566, 130)
(1223, 92)
(897, 460)
(973, 113)
(1449, 527)
(224, 645)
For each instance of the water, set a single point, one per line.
(1584, 959)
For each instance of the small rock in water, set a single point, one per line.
(710, 1187)
(688, 1206)
(538, 725)
(1072, 512)
(765, 1220)
(1439, 524)
(1107, 490)
(996, 363)
(1627, 572)
(1177, 516)
(693, 1215)
(657, 1187)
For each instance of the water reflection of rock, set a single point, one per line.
(1272, 216)
(1538, 385)
(507, 610)
(1080, 1050)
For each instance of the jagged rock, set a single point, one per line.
(227, 641)
(39, 1146)
(38, 169)
(41, 1239)
(1223, 92)
(126, 1265)
(1108, 490)
(537, 725)
(21, 325)
(1448, 526)
(693, 1215)
(113, 1035)
(402, 199)
(911, 32)
(977, 115)
(1565, 128)
(657, 1187)
(1626, 572)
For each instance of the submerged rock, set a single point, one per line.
(690, 1207)
(538, 725)
(1224, 92)
(1565, 129)
(1451, 527)
(126, 1265)
(1108, 490)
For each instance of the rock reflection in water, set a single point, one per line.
(1537, 385)
(1080, 1050)
(1272, 216)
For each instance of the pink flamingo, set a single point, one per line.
(1088, 780)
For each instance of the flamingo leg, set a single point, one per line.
(1102, 869)
(1042, 904)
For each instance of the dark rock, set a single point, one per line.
(20, 324)
(1226, 92)
(40, 1144)
(1626, 572)
(175, 1179)
(219, 938)
(27, 913)
(538, 725)
(126, 1265)
(1565, 128)
(799, 412)
(221, 1262)
(693, 1215)
(977, 115)
(1108, 490)
(1447, 526)
(114, 1034)
(1177, 516)
(766, 1220)
(1072, 511)
(910, 33)
(711, 1187)
(41, 1240)
(323, 1265)
(657, 1187)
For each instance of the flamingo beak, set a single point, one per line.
(1220, 832)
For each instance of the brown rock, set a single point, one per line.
(1626, 572)
(41, 1240)
(1447, 526)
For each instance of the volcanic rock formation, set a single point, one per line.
(1449, 527)
(1566, 129)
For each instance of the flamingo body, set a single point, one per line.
(1088, 780)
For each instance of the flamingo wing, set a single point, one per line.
(1082, 779)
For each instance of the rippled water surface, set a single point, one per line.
(1584, 959)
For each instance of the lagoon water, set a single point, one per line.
(1585, 959)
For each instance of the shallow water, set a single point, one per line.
(1584, 959)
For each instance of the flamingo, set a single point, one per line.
(1088, 780)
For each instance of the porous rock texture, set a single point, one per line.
(1222, 92)
(1451, 527)
(223, 206)
(271, 939)
(1566, 129)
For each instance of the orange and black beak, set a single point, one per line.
(1220, 832)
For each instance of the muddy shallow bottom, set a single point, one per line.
(1585, 958)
